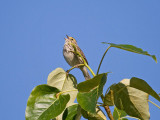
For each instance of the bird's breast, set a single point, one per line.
(69, 55)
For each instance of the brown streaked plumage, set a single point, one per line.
(71, 58)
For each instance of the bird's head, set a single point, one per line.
(70, 39)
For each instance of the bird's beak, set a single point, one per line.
(67, 36)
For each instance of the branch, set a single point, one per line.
(107, 109)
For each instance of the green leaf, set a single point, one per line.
(133, 101)
(131, 48)
(72, 113)
(143, 86)
(68, 84)
(43, 103)
(90, 91)
(109, 98)
(99, 115)
(117, 114)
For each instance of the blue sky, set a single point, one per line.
(32, 36)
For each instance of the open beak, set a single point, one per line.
(67, 36)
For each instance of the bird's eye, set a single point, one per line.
(71, 39)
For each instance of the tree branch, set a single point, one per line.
(107, 109)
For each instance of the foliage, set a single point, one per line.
(55, 100)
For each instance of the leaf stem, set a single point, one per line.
(154, 104)
(58, 94)
(128, 117)
(90, 69)
(102, 59)
(106, 107)
(85, 63)
(117, 112)
(75, 67)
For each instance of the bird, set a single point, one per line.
(72, 58)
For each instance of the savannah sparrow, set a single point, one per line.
(73, 59)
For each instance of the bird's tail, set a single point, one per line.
(85, 73)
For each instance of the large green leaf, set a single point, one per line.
(99, 115)
(68, 84)
(131, 48)
(44, 104)
(72, 113)
(89, 92)
(143, 86)
(133, 101)
(117, 114)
